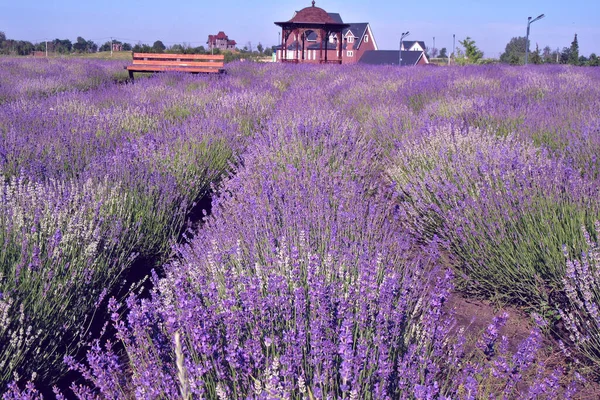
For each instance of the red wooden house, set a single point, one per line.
(316, 36)
(220, 41)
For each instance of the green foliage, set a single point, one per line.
(62, 244)
(504, 224)
(158, 47)
(574, 52)
(62, 46)
(549, 56)
(86, 46)
(444, 53)
(472, 52)
(514, 53)
(536, 58)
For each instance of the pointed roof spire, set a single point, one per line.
(313, 3)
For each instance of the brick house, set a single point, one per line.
(220, 41)
(413, 45)
(315, 36)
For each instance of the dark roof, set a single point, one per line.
(410, 43)
(336, 17)
(358, 29)
(390, 57)
(221, 35)
(313, 15)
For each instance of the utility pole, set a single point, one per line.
(46, 48)
(404, 34)
(453, 46)
(432, 50)
(529, 22)
(111, 46)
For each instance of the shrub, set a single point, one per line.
(503, 208)
(60, 255)
(581, 314)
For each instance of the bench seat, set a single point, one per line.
(192, 63)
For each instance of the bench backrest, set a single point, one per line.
(179, 60)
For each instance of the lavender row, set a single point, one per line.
(154, 173)
(34, 77)
(311, 179)
(302, 284)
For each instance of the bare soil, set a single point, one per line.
(475, 315)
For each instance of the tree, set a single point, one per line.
(2, 37)
(444, 53)
(80, 45)
(594, 61)
(105, 47)
(268, 52)
(565, 55)
(432, 52)
(514, 52)
(127, 47)
(536, 57)
(574, 52)
(260, 47)
(91, 46)
(62, 46)
(548, 57)
(158, 47)
(472, 53)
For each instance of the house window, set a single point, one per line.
(351, 39)
(350, 54)
(366, 38)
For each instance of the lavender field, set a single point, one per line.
(299, 232)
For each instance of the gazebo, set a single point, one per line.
(307, 21)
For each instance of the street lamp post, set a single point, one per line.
(529, 22)
(404, 34)
(453, 45)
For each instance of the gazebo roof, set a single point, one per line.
(312, 17)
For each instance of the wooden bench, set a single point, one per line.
(193, 63)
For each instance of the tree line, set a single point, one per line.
(514, 54)
(81, 45)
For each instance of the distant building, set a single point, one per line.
(316, 36)
(413, 45)
(117, 47)
(220, 41)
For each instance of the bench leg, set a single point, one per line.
(131, 75)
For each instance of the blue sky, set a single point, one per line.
(490, 24)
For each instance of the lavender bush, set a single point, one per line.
(326, 311)
(60, 255)
(581, 315)
(39, 77)
(503, 207)
(307, 227)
